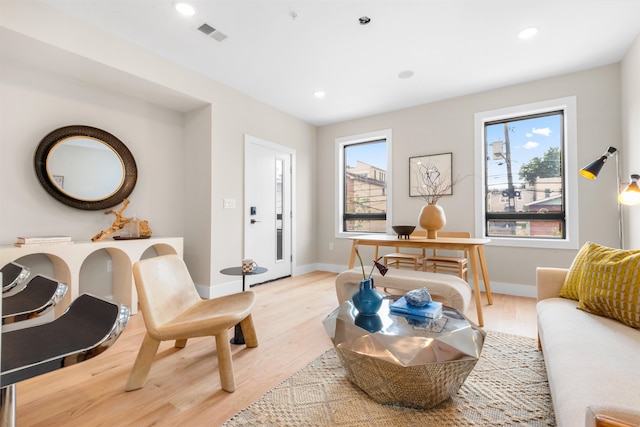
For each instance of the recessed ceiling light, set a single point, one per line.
(407, 74)
(527, 33)
(319, 94)
(185, 9)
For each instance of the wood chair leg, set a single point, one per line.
(181, 343)
(143, 362)
(249, 332)
(225, 363)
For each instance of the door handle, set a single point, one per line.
(253, 221)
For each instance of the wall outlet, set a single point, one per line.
(330, 246)
(109, 266)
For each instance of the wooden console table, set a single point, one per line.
(474, 246)
(68, 259)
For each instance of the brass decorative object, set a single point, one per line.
(120, 222)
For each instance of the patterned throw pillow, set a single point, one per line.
(571, 285)
(610, 284)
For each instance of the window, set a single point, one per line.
(364, 188)
(526, 190)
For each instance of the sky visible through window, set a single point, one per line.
(371, 153)
(528, 138)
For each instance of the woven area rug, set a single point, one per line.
(507, 387)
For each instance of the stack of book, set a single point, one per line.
(43, 241)
(431, 311)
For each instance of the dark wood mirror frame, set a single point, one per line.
(50, 141)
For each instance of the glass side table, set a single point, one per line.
(238, 338)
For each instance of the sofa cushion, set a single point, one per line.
(571, 286)
(610, 284)
(589, 360)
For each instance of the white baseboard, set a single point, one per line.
(235, 286)
(514, 289)
(220, 290)
(334, 268)
(304, 269)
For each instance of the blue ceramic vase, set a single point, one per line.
(370, 322)
(367, 300)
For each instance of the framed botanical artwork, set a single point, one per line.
(430, 176)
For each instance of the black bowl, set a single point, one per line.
(403, 230)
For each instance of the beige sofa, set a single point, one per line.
(593, 362)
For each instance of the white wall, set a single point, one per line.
(164, 112)
(35, 102)
(630, 155)
(448, 126)
(205, 119)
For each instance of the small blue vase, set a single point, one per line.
(370, 322)
(367, 300)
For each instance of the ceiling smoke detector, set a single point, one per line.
(212, 32)
(364, 20)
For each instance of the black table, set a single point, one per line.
(238, 338)
(237, 271)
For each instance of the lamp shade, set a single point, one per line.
(592, 170)
(631, 194)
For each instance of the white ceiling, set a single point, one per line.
(281, 52)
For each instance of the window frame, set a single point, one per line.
(340, 144)
(570, 171)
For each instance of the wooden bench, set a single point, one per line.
(449, 289)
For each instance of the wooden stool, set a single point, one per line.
(448, 264)
(410, 259)
(399, 259)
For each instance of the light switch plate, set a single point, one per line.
(229, 203)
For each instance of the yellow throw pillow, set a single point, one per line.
(610, 284)
(571, 286)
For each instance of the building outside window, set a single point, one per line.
(525, 185)
(364, 188)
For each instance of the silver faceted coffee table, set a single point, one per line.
(397, 360)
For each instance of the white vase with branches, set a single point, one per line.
(431, 183)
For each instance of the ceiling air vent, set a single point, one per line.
(211, 32)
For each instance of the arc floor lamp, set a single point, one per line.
(631, 193)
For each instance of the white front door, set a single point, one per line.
(268, 212)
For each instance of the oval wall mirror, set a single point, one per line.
(85, 167)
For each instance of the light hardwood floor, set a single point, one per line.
(183, 387)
